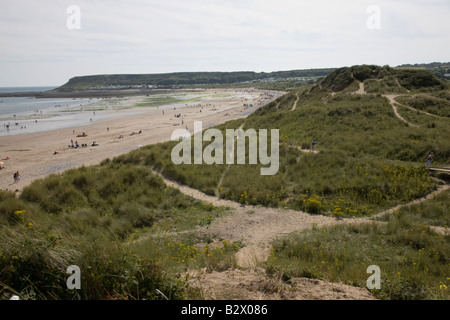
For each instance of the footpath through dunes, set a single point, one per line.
(391, 98)
(256, 227)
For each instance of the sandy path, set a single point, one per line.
(421, 111)
(441, 189)
(33, 154)
(361, 89)
(256, 227)
(391, 97)
(294, 106)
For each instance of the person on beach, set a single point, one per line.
(16, 177)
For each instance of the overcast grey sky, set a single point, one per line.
(136, 36)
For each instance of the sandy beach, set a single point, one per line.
(37, 155)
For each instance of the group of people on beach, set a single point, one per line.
(83, 145)
(74, 145)
(7, 126)
(133, 133)
(2, 167)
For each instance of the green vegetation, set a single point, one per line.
(89, 218)
(438, 69)
(369, 160)
(160, 100)
(433, 213)
(133, 235)
(434, 104)
(381, 80)
(184, 79)
(413, 259)
(363, 130)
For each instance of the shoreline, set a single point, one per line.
(60, 117)
(38, 155)
(100, 93)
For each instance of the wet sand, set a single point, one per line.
(33, 155)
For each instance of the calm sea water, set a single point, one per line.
(22, 106)
(19, 106)
(24, 89)
(34, 115)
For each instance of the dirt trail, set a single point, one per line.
(307, 150)
(295, 103)
(256, 227)
(226, 170)
(254, 284)
(417, 201)
(421, 111)
(361, 90)
(390, 97)
(440, 169)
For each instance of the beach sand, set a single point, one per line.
(33, 155)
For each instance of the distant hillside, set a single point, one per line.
(439, 69)
(169, 80)
(381, 80)
(291, 78)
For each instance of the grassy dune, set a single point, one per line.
(369, 160)
(133, 235)
(88, 218)
(413, 259)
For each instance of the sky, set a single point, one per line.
(47, 42)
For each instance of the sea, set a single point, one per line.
(25, 89)
(20, 115)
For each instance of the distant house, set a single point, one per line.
(447, 75)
